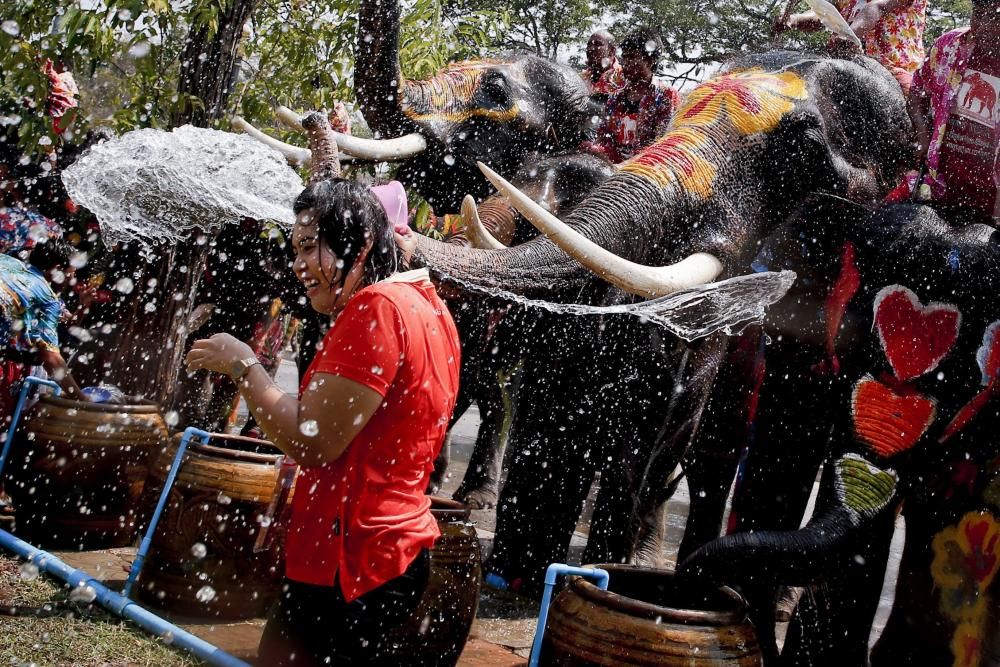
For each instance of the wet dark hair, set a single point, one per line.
(347, 214)
(638, 40)
(51, 254)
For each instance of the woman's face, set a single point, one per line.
(320, 270)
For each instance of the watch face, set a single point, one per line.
(238, 369)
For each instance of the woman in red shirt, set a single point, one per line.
(369, 422)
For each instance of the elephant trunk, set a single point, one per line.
(795, 557)
(499, 218)
(828, 544)
(378, 79)
(624, 216)
(323, 144)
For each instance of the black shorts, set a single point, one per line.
(313, 625)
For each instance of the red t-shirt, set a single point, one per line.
(969, 162)
(364, 516)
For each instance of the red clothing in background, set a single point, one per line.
(364, 517)
(630, 126)
(969, 161)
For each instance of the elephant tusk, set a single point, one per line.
(291, 120)
(645, 281)
(377, 150)
(297, 157)
(477, 234)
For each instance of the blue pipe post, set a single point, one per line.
(147, 540)
(121, 605)
(29, 381)
(552, 574)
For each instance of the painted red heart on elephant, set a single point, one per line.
(915, 338)
(889, 423)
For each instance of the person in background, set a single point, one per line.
(30, 311)
(641, 110)
(891, 30)
(603, 72)
(955, 107)
(370, 419)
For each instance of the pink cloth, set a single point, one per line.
(939, 79)
(392, 196)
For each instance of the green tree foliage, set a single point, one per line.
(698, 33)
(126, 56)
(541, 26)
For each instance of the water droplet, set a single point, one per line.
(29, 571)
(83, 594)
(223, 499)
(309, 428)
(125, 285)
(205, 594)
(199, 550)
(11, 28)
(172, 417)
(449, 159)
(139, 49)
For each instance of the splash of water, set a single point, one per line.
(157, 187)
(728, 306)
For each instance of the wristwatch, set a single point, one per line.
(242, 367)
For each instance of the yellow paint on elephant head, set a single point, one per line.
(966, 560)
(449, 96)
(676, 157)
(750, 101)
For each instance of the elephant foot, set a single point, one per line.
(482, 498)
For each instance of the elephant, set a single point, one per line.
(497, 111)
(912, 419)
(494, 348)
(741, 157)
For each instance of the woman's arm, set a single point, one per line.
(314, 430)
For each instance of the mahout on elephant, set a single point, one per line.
(740, 158)
(911, 420)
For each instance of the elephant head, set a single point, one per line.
(739, 158)
(493, 111)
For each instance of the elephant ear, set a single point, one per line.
(862, 492)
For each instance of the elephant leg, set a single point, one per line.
(440, 472)
(789, 442)
(481, 485)
(833, 620)
(710, 465)
(538, 511)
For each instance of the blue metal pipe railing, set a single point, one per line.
(120, 605)
(552, 574)
(29, 382)
(117, 603)
(147, 539)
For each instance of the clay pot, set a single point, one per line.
(648, 617)
(77, 471)
(437, 631)
(202, 560)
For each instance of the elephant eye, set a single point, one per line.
(495, 91)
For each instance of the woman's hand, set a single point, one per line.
(217, 354)
(868, 18)
(406, 239)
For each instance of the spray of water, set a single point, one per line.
(727, 306)
(156, 187)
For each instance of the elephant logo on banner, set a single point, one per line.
(978, 97)
(751, 101)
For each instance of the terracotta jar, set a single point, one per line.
(439, 628)
(648, 617)
(202, 560)
(77, 470)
